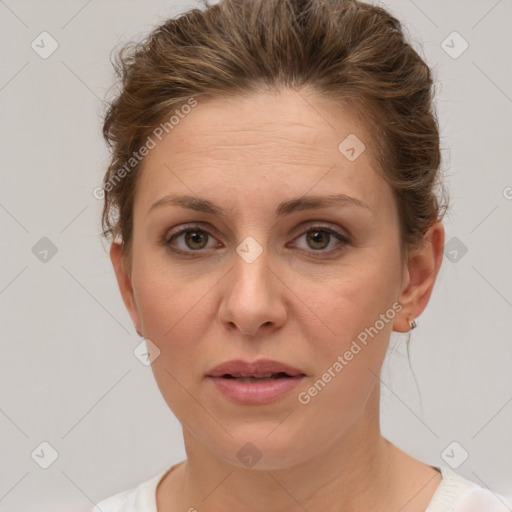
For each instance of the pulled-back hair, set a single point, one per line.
(349, 52)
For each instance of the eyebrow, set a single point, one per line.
(284, 208)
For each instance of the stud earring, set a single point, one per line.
(413, 323)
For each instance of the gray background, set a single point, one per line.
(68, 373)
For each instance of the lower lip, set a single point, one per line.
(256, 392)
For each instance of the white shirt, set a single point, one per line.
(454, 494)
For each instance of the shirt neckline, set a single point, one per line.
(451, 489)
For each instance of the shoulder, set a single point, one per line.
(458, 494)
(120, 502)
(141, 498)
(483, 499)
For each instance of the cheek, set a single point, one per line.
(348, 362)
(352, 300)
(356, 312)
(165, 298)
(177, 317)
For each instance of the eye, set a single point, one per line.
(192, 239)
(319, 238)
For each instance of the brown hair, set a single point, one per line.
(350, 52)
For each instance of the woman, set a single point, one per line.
(272, 199)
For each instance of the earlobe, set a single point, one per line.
(420, 276)
(125, 284)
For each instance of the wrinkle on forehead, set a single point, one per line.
(274, 150)
(290, 125)
(263, 133)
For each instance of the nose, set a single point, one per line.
(254, 298)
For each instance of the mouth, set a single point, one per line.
(260, 369)
(252, 383)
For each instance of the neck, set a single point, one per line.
(352, 473)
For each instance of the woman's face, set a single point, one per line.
(260, 281)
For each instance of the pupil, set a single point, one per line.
(194, 237)
(317, 235)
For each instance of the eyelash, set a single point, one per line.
(191, 228)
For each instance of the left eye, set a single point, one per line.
(319, 238)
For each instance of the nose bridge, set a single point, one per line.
(251, 268)
(251, 297)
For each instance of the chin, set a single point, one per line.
(264, 447)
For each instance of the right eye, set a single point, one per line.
(188, 240)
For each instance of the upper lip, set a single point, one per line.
(260, 367)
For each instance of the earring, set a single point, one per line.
(413, 323)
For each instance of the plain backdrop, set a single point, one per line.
(69, 378)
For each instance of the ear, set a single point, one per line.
(124, 283)
(420, 276)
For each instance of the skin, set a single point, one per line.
(301, 302)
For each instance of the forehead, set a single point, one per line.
(277, 119)
(273, 138)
